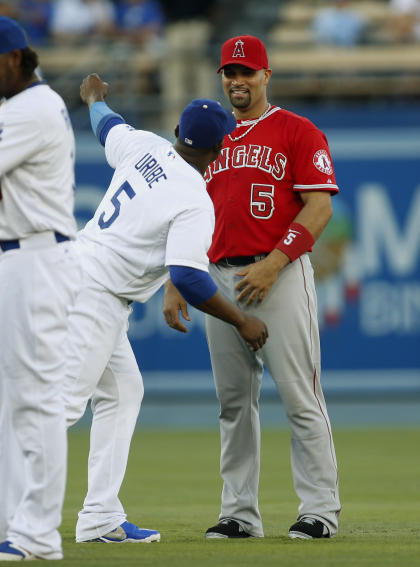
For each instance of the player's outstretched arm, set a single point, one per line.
(102, 118)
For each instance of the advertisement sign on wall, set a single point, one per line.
(367, 262)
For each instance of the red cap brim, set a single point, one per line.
(236, 62)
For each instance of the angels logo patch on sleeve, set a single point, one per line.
(322, 162)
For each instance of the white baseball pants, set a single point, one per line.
(37, 286)
(11, 486)
(102, 367)
(292, 356)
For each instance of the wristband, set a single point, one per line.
(296, 241)
(102, 119)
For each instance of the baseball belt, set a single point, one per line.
(33, 241)
(240, 260)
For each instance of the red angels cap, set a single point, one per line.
(245, 50)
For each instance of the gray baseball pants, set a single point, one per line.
(292, 357)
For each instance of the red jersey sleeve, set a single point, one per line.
(312, 165)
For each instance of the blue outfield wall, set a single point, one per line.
(368, 274)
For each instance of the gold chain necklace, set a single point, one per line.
(263, 115)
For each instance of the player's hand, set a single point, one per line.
(258, 278)
(254, 332)
(93, 89)
(173, 304)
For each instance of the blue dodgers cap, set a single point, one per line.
(204, 123)
(12, 35)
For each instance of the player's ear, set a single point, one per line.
(177, 131)
(15, 59)
(18, 56)
(267, 75)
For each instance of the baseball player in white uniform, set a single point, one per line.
(155, 218)
(39, 272)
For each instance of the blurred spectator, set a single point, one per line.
(186, 71)
(80, 20)
(35, 17)
(140, 21)
(9, 9)
(187, 9)
(405, 20)
(339, 24)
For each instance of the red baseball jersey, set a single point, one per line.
(255, 182)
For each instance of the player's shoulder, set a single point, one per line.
(40, 103)
(42, 94)
(189, 183)
(124, 143)
(186, 176)
(34, 108)
(137, 136)
(293, 120)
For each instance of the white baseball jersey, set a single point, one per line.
(155, 213)
(36, 135)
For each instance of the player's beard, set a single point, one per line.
(242, 101)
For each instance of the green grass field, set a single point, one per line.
(173, 485)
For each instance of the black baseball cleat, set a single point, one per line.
(227, 529)
(308, 528)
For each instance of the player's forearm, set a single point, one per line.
(277, 260)
(102, 119)
(92, 97)
(223, 309)
(315, 215)
(303, 232)
(251, 329)
(200, 291)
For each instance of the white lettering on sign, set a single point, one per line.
(390, 308)
(380, 236)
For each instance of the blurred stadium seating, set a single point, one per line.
(378, 70)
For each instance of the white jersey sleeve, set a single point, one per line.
(189, 238)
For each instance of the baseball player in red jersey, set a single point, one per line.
(271, 187)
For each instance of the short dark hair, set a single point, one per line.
(29, 62)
